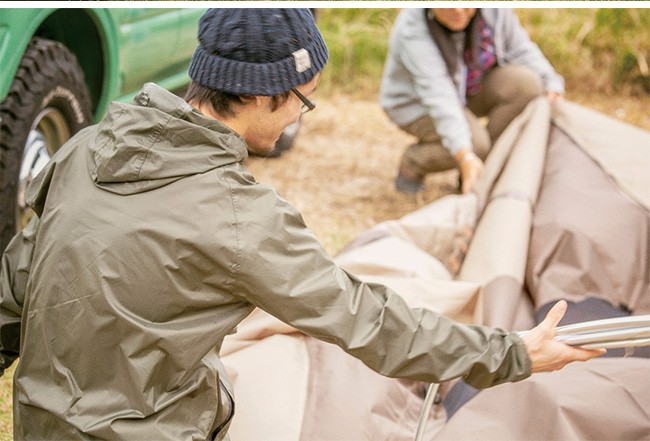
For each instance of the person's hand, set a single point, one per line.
(552, 97)
(547, 354)
(470, 167)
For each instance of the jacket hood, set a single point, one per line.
(156, 140)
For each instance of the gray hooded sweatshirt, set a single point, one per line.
(151, 244)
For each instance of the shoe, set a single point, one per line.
(408, 182)
(406, 185)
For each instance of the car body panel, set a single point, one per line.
(119, 49)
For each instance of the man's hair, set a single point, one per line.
(222, 102)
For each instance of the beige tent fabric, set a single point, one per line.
(604, 399)
(528, 134)
(305, 389)
(508, 191)
(622, 150)
(289, 386)
(257, 326)
(346, 401)
(271, 380)
(587, 236)
(515, 313)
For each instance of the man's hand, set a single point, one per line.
(547, 354)
(470, 167)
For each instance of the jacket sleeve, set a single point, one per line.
(520, 50)
(284, 271)
(16, 263)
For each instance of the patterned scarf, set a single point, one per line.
(480, 60)
(478, 48)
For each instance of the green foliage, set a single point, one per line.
(357, 40)
(596, 50)
(626, 34)
(604, 50)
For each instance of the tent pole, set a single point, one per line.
(426, 409)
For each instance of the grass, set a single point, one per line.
(602, 50)
(357, 41)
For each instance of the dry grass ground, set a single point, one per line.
(340, 173)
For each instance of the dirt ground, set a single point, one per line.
(340, 172)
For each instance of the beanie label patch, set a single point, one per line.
(303, 62)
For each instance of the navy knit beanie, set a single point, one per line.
(257, 51)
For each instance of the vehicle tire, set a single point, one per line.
(47, 103)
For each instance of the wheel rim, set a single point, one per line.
(48, 133)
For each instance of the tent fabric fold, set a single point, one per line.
(561, 211)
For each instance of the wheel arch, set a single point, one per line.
(90, 34)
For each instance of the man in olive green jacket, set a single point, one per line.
(152, 242)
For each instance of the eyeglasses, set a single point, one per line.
(307, 105)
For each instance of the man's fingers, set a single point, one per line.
(555, 315)
(596, 353)
(588, 354)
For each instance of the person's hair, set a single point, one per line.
(222, 102)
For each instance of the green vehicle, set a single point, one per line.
(60, 70)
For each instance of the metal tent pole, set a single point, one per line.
(426, 409)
